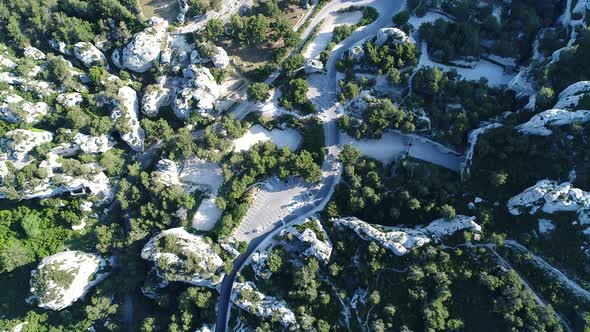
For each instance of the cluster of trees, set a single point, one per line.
(456, 106)
(378, 116)
(31, 233)
(247, 167)
(448, 41)
(429, 289)
(263, 24)
(295, 96)
(420, 192)
(505, 161)
(37, 21)
(474, 21)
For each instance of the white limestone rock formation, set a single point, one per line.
(538, 124)
(63, 278)
(571, 96)
(60, 46)
(181, 256)
(14, 109)
(400, 241)
(395, 34)
(93, 144)
(551, 197)
(313, 66)
(199, 94)
(7, 62)
(34, 53)
(155, 97)
(125, 115)
(19, 142)
(89, 55)
(145, 48)
(439, 228)
(312, 234)
(88, 179)
(247, 297)
(70, 99)
(167, 172)
(219, 57)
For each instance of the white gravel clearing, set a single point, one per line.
(325, 32)
(492, 72)
(393, 145)
(416, 22)
(210, 175)
(289, 137)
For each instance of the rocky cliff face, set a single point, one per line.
(181, 256)
(145, 48)
(63, 278)
(125, 115)
(248, 298)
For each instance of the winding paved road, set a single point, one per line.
(331, 167)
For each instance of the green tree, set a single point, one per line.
(258, 91)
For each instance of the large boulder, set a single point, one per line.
(34, 53)
(394, 34)
(313, 66)
(19, 142)
(63, 278)
(540, 123)
(220, 58)
(167, 172)
(155, 97)
(70, 99)
(13, 108)
(89, 55)
(571, 96)
(199, 94)
(552, 197)
(146, 46)
(125, 115)
(93, 144)
(56, 180)
(247, 297)
(313, 236)
(181, 256)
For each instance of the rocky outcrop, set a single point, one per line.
(93, 144)
(397, 240)
(86, 179)
(60, 46)
(199, 94)
(13, 108)
(145, 48)
(70, 99)
(538, 124)
(181, 256)
(313, 235)
(34, 53)
(219, 57)
(63, 278)
(394, 34)
(551, 197)
(125, 115)
(571, 96)
(401, 240)
(155, 97)
(19, 142)
(247, 297)
(89, 55)
(313, 66)
(167, 172)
